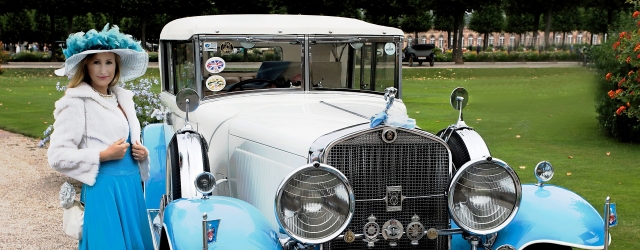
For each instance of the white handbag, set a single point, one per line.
(73, 219)
(73, 216)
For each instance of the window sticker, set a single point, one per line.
(211, 46)
(390, 48)
(226, 48)
(215, 65)
(216, 83)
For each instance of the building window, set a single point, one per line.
(557, 39)
(491, 40)
(432, 40)
(409, 40)
(527, 40)
(480, 41)
(501, 40)
(570, 38)
(579, 39)
(470, 40)
(512, 40)
(441, 42)
(595, 39)
(423, 40)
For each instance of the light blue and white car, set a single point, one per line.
(289, 132)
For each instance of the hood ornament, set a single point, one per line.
(389, 96)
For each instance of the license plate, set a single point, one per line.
(422, 58)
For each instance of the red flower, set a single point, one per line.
(608, 76)
(618, 57)
(635, 14)
(611, 94)
(618, 91)
(623, 34)
(630, 73)
(620, 110)
(621, 82)
(638, 57)
(628, 59)
(628, 104)
(638, 23)
(615, 45)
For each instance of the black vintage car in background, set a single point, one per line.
(419, 53)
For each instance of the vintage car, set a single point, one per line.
(289, 132)
(419, 53)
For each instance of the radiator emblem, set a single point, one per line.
(389, 135)
(371, 230)
(392, 230)
(415, 230)
(394, 198)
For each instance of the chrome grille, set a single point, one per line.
(417, 162)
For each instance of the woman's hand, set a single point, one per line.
(139, 152)
(115, 151)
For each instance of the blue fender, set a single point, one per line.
(552, 214)
(153, 139)
(241, 225)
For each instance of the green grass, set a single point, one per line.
(551, 109)
(27, 98)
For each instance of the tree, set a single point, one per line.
(487, 20)
(518, 23)
(566, 20)
(416, 21)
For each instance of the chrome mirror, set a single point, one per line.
(459, 99)
(187, 100)
(543, 172)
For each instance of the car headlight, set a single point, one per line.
(484, 196)
(205, 183)
(314, 203)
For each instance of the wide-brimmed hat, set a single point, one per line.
(134, 60)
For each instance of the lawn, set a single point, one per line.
(530, 115)
(525, 116)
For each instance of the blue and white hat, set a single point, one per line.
(134, 60)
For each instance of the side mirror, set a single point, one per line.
(187, 101)
(459, 99)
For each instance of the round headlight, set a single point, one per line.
(543, 171)
(205, 182)
(484, 196)
(314, 203)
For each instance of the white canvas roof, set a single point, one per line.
(184, 28)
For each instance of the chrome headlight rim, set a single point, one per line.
(516, 206)
(329, 169)
(212, 180)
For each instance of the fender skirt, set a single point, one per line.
(240, 226)
(153, 139)
(552, 214)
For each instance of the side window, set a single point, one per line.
(184, 71)
(167, 70)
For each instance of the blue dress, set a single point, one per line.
(115, 213)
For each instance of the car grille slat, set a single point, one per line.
(417, 162)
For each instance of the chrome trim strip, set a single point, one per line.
(441, 232)
(306, 63)
(345, 110)
(405, 197)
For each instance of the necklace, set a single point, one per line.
(101, 94)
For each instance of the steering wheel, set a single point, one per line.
(241, 83)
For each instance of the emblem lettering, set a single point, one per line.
(394, 198)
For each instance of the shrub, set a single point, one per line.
(617, 62)
(531, 56)
(483, 56)
(470, 56)
(443, 57)
(563, 56)
(500, 56)
(514, 56)
(153, 56)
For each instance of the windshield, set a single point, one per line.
(358, 66)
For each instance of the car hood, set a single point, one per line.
(293, 122)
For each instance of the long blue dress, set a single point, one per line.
(115, 214)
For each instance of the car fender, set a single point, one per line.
(241, 226)
(552, 214)
(153, 138)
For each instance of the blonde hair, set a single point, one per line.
(82, 74)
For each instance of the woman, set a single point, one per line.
(96, 138)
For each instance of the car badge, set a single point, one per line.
(394, 198)
(210, 230)
(432, 233)
(370, 231)
(613, 215)
(389, 135)
(226, 48)
(415, 230)
(392, 231)
(216, 83)
(349, 237)
(215, 65)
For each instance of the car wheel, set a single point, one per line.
(172, 158)
(410, 60)
(431, 63)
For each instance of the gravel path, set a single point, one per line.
(29, 205)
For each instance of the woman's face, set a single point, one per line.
(102, 69)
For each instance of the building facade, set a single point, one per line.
(501, 39)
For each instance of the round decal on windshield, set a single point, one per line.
(226, 48)
(215, 65)
(390, 48)
(216, 83)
